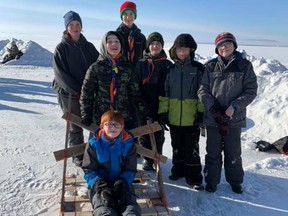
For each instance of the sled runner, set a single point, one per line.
(150, 196)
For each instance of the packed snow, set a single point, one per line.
(32, 129)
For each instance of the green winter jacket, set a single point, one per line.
(181, 101)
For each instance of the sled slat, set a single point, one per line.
(148, 197)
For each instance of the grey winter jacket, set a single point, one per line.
(232, 84)
(70, 62)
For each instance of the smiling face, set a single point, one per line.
(74, 29)
(112, 129)
(182, 53)
(128, 18)
(155, 48)
(113, 45)
(226, 49)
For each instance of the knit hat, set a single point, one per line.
(225, 37)
(128, 5)
(71, 16)
(154, 36)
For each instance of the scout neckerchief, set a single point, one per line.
(148, 74)
(130, 53)
(113, 89)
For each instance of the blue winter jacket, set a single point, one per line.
(108, 160)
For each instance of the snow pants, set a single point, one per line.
(186, 160)
(130, 208)
(231, 147)
(75, 132)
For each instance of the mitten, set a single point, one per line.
(120, 188)
(86, 121)
(216, 112)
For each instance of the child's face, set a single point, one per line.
(155, 48)
(74, 29)
(112, 129)
(128, 18)
(226, 49)
(113, 45)
(182, 53)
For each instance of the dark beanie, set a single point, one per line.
(225, 37)
(154, 36)
(71, 16)
(185, 40)
(128, 6)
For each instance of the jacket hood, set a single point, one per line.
(183, 40)
(103, 48)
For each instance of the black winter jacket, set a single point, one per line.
(70, 63)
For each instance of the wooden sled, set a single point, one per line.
(151, 197)
(77, 203)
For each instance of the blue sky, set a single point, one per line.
(257, 22)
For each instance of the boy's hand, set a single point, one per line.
(99, 185)
(102, 189)
(120, 189)
(107, 198)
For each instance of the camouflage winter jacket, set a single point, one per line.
(95, 95)
(232, 84)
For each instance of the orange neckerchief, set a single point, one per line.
(151, 68)
(113, 89)
(130, 53)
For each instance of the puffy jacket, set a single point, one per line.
(70, 63)
(110, 160)
(181, 86)
(234, 83)
(95, 95)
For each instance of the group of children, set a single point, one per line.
(125, 88)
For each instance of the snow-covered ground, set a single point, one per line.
(32, 129)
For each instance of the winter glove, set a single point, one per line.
(86, 121)
(198, 118)
(104, 192)
(224, 125)
(163, 120)
(107, 198)
(120, 188)
(216, 112)
(99, 185)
